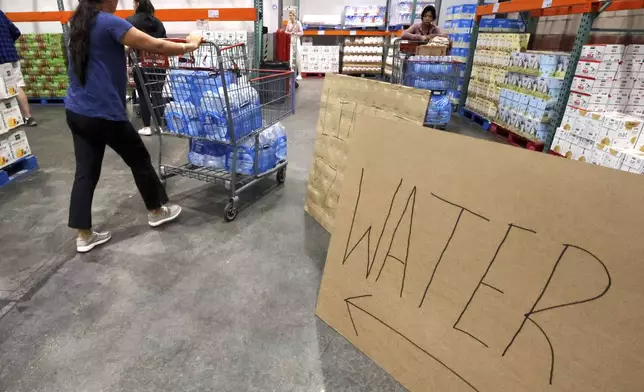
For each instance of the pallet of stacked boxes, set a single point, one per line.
(43, 65)
(318, 60)
(530, 91)
(458, 24)
(491, 63)
(604, 120)
(15, 153)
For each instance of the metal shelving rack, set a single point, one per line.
(530, 11)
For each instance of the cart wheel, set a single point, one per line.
(281, 175)
(164, 183)
(297, 85)
(230, 212)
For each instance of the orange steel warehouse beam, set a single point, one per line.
(526, 5)
(558, 7)
(166, 15)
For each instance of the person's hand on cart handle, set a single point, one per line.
(136, 39)
(194, 40)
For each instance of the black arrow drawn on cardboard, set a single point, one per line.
(350, 303)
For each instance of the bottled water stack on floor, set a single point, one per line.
(439, 110)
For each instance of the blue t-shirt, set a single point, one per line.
(103, 95)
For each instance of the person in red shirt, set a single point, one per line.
(422, 31)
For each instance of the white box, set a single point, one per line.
(633, 162)
(636, 99)
(609, 65)
(597, 155)
(605, 75)
(8, 81)
(635, 49)
(6, 156)
(580, 101)
(588, 69)
(613, 159)
(241, 36)
(592, 52)
(612, 57)
(11, 115)
(629, 66)
(619, 97)
(560, 146)
(634, 110)
(614, 49)
(625, 82)
(19, 144)
(633, 57)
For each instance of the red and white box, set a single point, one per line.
(591, 86)
(634, 49)
(587, 69)
(592, 52)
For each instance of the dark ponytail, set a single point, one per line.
(145, 7)
(81, 24)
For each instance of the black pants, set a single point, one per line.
(91, 135)
(154, 80)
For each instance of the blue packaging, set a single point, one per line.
(183, 118)
(246, 158)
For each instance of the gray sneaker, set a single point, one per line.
(83, 246)
(168, 213)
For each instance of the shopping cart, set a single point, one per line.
(227, 111)
(439, 74)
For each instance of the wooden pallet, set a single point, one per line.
(312, 74)
(47, 101)
(515, 138)
(17, 169)
(475, 118)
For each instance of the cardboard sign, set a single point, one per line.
(345, 99)
(464, 265)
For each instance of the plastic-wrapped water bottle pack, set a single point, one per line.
(199, 106)
(272, 149)
(439, 110)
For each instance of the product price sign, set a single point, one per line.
(546, 4)
(321, 32)
(353, 32)
(495, 7)
(213, 14)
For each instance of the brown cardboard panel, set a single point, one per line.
(463, 265)
(344, 99)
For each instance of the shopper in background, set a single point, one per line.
(9, 33)
(422, 31)
(294, 27)
(144, 20)
(96, 112)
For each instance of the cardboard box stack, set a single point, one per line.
(43, 65)
(15, 146)
(10, 116)
(609, 78)
(491, 63)
(320, 59)
(529, 92)
(604, 120)
(608, 139)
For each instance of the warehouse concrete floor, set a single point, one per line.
(200, 305)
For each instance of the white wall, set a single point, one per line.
(172, 28)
